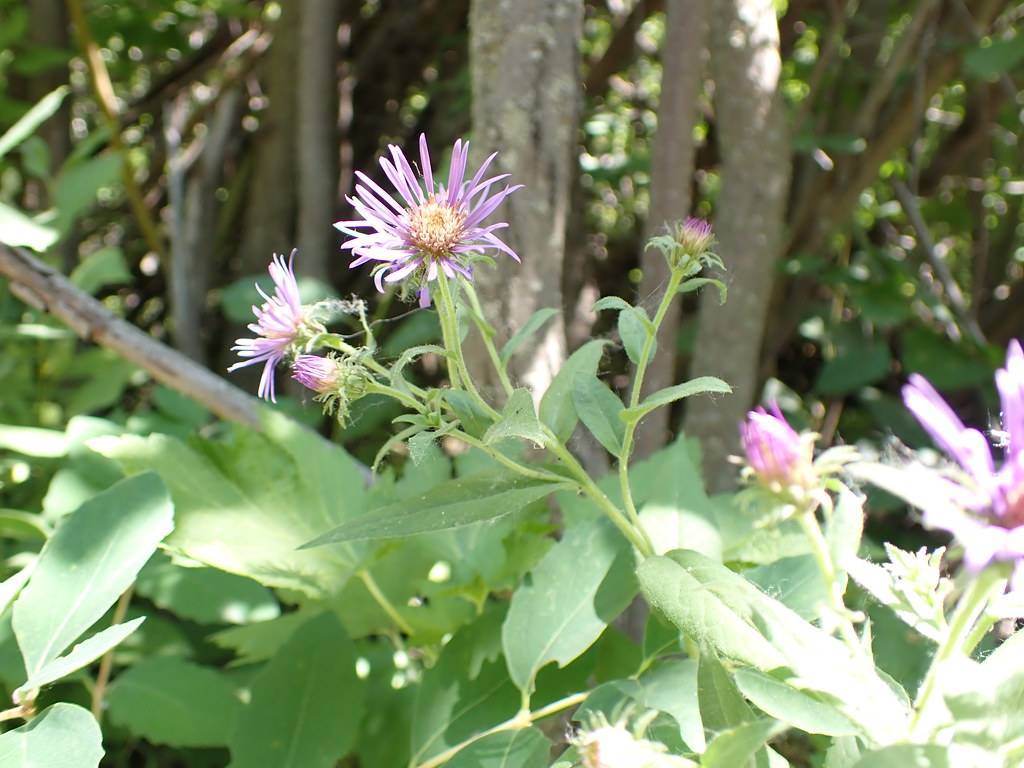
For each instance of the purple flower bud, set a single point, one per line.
(320, 374)
(695, 236)
(774, 450)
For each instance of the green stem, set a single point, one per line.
(450, 332)
(634, 395)
(521, 720)
(487, 334)
(335, 342)
(823, 557)
(986, 585)
(636, 534)
(501, 458)
(382, 600)
(376, 387)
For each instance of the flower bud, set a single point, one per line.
(605, 745)
(336, 381)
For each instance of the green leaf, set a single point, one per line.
(174, 702)
(634, 329)
(103, 267)
(467, 691)
(76, 187)
(17, 229)
(518, 419)
(556, 407)
(599, 408)
(721, 705)
(205, 595)
(671, 687)
(473, 420)
(92, 558)
(699, 386)
(791, 706)
(452, 504)
(13, 585)
(905, 756)
(611, 302)
(261, 496)
(720, 608)
(530, 327)
(859, 361)
(62, 736)
(33, 441)
(734, 747)
(306, 703)
(523, 748)
(81, 655)
(991, 61)
(32, 119)
(581, 584)
(696, 283)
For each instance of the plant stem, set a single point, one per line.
(382, 600)
(487, 334)
(636, 534)
(823, 557)
(986, 585)
(501, 458)
(333, 341)
(99, 691)
(634, 395)
(383, 389)
(450, 331)
(521, 720)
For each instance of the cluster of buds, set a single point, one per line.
(602, 744)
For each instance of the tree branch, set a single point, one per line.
(44, 288)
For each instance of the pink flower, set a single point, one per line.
(279, 322)
(774, 450)
(432, 227)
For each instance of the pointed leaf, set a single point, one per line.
(634, 329)
(306, 703)
(599, 408)
(556, 407)
(452, 504)
(530, 327)
(791, 706)
(735, 746)
(518, 419)
(581, 584)
(702, 385)
(92, 558)
(27, 124)
(62, 736)
(81, 655)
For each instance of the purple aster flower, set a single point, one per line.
(278, 323)
(774, 450)
(987, 514)
(319, 374)
(433, 226)
(695, 235)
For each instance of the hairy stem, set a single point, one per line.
(450, 331)
(985, 586)
(823, 558)
(99, 691)
(634, 395)
(501, 458)
(487, 334)
(382, 600)
(521, 720)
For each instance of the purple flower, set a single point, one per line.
(695, 235)
(435, 226)
(987, 515)
(278, 322)
(774, 450)
(319, 374)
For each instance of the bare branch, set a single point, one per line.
(45, 288)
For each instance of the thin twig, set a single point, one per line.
(99, 691)
(942, 272)
(104, 89)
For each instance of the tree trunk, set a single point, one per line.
(270, 226)
(524, 57)
(682, 64)
(755, 172)
(317, 135)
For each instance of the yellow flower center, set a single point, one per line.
(435, 228)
